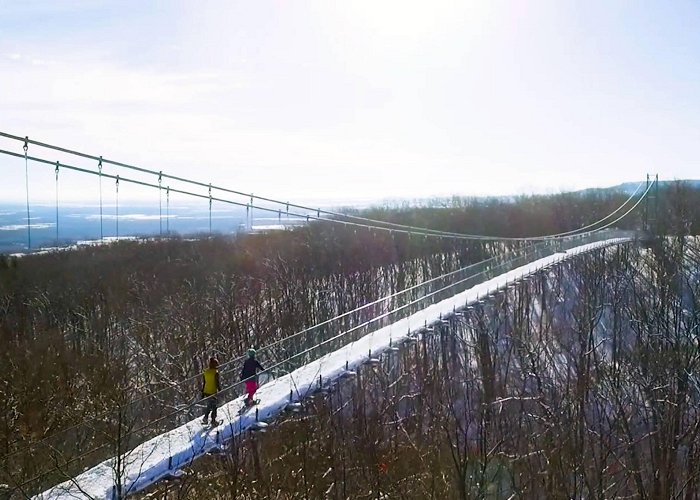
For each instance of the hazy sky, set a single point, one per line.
(352, 99)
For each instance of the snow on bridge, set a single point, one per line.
(167, 453)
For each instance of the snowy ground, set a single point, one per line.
(166, 454)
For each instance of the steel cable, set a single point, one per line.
(26, 180)
(306, 351)
(417, 231)
(399, 227)
(266, 347)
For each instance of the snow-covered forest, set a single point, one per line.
(578, 383)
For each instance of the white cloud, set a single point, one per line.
(19, 227)
(322, 100)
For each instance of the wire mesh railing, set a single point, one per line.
(85, 444)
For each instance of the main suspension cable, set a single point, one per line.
(212, 198)
(420, 231)
(398, 227)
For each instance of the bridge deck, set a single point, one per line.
(167, 453)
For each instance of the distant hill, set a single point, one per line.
(631, 187)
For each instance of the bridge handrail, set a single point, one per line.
(330, 343)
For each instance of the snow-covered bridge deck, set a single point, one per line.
(167, 453)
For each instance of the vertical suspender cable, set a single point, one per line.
(99, 168)
(656, 204)
(57, 165)
(210, 209)
(117, 208)
(645, 223)
(250, 226)
(26, 180)
(167, 210)
(160, 203)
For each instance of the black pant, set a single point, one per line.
(211, 407)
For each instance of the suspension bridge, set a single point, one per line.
(307, 361)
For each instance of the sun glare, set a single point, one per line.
(410, 20)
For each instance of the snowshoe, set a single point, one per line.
(247, 405)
